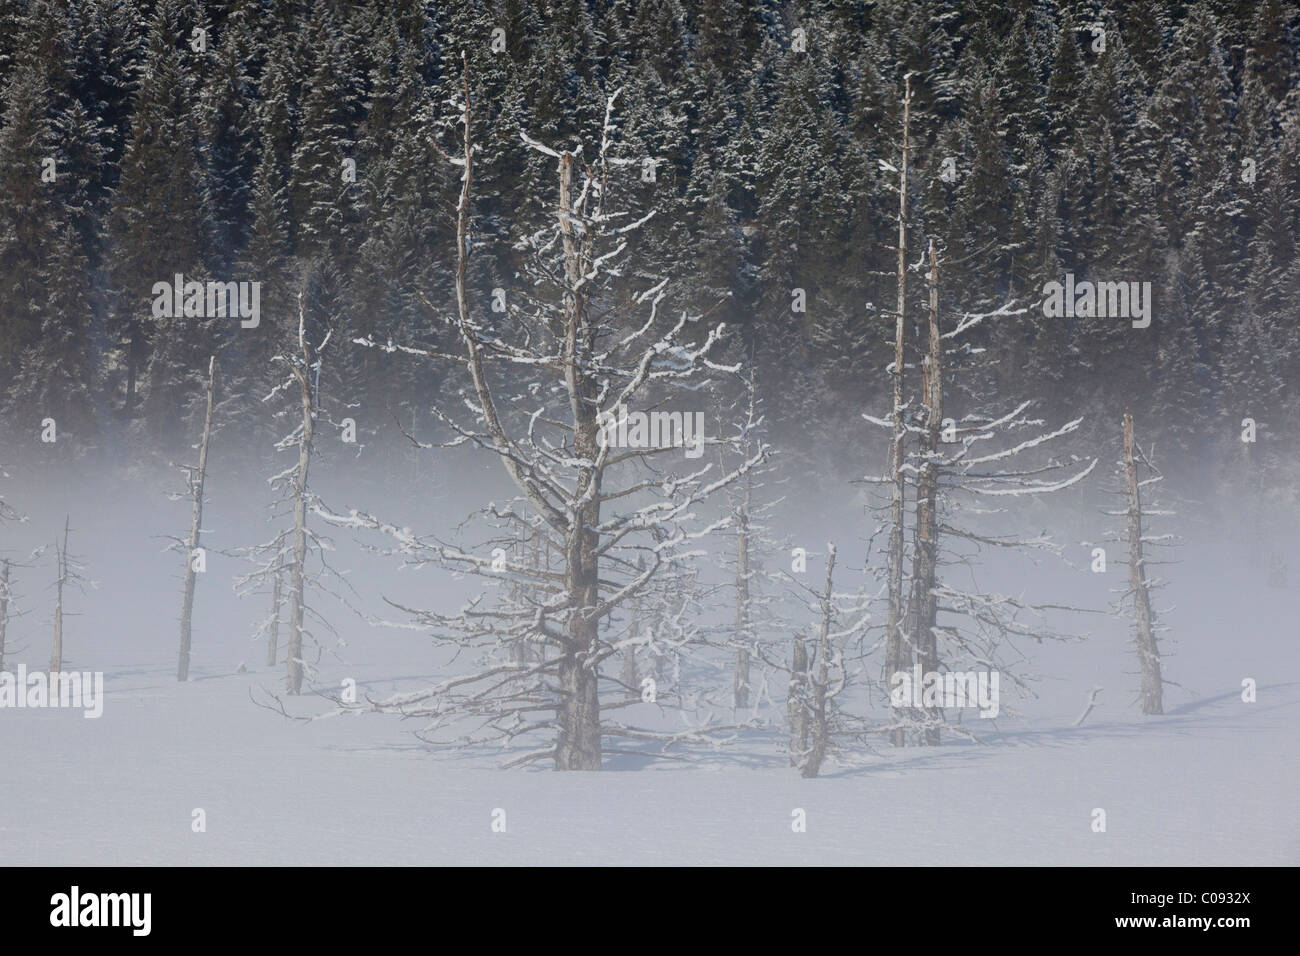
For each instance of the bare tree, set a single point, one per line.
(5, 596)
(753, 544)
(7, 513)
(69, 575)
(301, 369)
(596, 353)
(923, 604)
(797, 696)
(61, 557)
(297, 552)
(819, 673)
(895, 651)
(195, 477)
(1139, 584)
(821, 690)
(273, 621)
(953, 477)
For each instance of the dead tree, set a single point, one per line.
(298, 543)
(954, 477)
(753, 544)
(61, 557)
(594, 352)
(818, 719)
(4, 607)
(797, 700)
(297, 552)
(7, 513)
(195, 476)
(818, 671)
(69, 576)
(923, 604)
(273, 622)
(896, 653)
(1139, 588)
(744, 625)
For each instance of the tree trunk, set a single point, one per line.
(1148, 652)
(740, 690)
(196, 523)
(820, 720)
(923, 607)
(56, 653)
(297, 583)
(4, 608)
(132, 363)
(578, 746)
(273, 634)
(897, 656)
(796, 702)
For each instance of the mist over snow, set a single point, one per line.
(649, 432)
(1209, 782)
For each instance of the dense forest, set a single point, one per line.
(299, 145)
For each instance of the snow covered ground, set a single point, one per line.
(1213, 781)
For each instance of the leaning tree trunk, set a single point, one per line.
(4, 607)
(897, 656)
(740, 690)
(924, 607)
(1148, 652)
(56, 653)
(820, 730)
(297, 582)
(197, 477)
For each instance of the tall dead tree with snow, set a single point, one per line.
(896, 651)
(797, 699)
(7, 513)
(961, 468)
(1140, 585)
(818, 671)
(923, 604)
(301, 369)
(69, 575)
(297, 554)
(753, 546)
(5, 597)
(820, 690)
(196, 476)
(61, 581)
(562, 386)
(272, 623)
